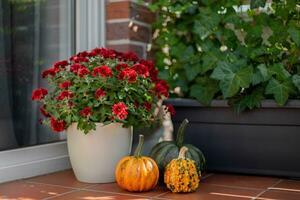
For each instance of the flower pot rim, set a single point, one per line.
(99, 123)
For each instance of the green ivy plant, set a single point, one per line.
(220, 49)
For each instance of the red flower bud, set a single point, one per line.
(39, 94)
(99, 93)
(171, 109)
(65, 84)
(85, 112)
(64, 94)
(56, 125)
(162, 88)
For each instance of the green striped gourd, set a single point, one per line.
(166, 151)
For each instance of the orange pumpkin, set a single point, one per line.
(137, 173)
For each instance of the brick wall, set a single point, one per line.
(128, 26)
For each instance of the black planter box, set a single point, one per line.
(265, 141)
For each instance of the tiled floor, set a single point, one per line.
(63, 186)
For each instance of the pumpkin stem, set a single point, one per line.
(181, 132)
(182, 152)
(139, 148)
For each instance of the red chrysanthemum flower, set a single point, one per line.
(141, 70)
(130, 56)
(64, 95)
(99, 93)
(162, 88)
(120, 110)
(105, 53)
(119, 55)
(128, 74)
(57, 125)
(83, 71)
(86, 112)
(39, 94)
(65, 84)
(148, 63)
(75, 67)
(103, 71)
(44, 112)
(153, 72)
(62, 64)
(82, 54)
(78, 59)
(51, 71)
(171, 109)
(92, 54)
(121, 66)
(122, 115)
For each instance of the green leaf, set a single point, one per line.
(257, 78)
(253, 37)
(177, 49)
(221, 71)
(296, 81)
(209, 62)
(295, 35)
(192, 70)
(153, 7)
(201, 30)
(280, 90)
(231, 80)
(187, 54)
(249, 101)
(261, 74)
(244, 76)
(68, 119)
(257, 52)
(204, 91)
(264, 71)
(280, 72)
(205, 23)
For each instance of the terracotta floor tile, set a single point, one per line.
(279, 195)
(241, 181)
(213, 187)
(89, 195)
(213, 192)
(288, 185)
(113, 187)
(64, 178)
(21, 190)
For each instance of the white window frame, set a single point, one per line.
(89, 28)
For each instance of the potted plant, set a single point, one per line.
(97, 97)
(229, 55)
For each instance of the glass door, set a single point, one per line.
(33, 35)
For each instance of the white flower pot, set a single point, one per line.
(95, 155)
